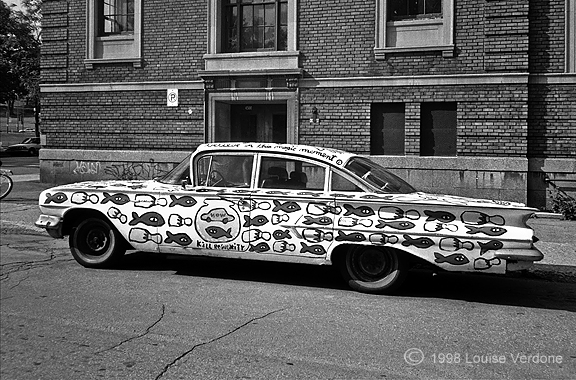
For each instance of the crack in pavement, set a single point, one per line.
(137, 336)
(173, 362)
(19, 266)
(19, 282)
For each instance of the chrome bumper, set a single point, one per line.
(52, 224)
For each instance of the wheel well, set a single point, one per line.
(339, 252)
(75, 216)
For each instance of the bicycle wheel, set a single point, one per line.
(5, 185)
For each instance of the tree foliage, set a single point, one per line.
(20, 53)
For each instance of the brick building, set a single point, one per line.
(469, 97)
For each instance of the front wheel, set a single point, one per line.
(5, 185)
(373, 269)
(96, 244)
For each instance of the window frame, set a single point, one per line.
(196, 180)
(406, 35)
(570, 32)
(113, 48)
(240, 5)
(264, 155)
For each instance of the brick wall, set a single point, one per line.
(492, 120)
(552, 115)
(336, 38)
(122, 120)
(547, 41)
(174, 40)
(506, 35)
(54, 59)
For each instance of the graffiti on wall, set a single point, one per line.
(86, 167)
(121, 171)
(135, 170)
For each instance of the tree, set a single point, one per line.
(20, 54)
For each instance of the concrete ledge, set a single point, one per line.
(552, 165)
(511, 164)
(159, 156)
(74, 165)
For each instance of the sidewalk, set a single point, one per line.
(557, 238)
(26, 178)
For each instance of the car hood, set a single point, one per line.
(20, 145)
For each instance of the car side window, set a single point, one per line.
(285, 173)
(339, 183)
(224, 170)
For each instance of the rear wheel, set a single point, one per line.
(373, 269)
(96, 244)
(32, 152)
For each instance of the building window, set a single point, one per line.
(438, 129)
(252, 35)
(254, 25)
(113, 32)
(115, 17)
(414, 25)
(412, 9)
(387, 129)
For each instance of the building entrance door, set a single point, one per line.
(261, 122)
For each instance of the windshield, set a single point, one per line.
(378, 177)
(178, 174)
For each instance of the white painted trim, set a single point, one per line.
(570, 33)
(446, 45)
(390, 81)
(92, 40)
(417, 80)
(290, 97)
(129, 86)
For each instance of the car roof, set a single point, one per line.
(327, 155)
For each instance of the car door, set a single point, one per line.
(359, 217)
(291, 213)
(207, 216)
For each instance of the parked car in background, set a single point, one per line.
(24, 130)
(290, 203)
(30, 145)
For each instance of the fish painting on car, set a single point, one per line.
(290, 203)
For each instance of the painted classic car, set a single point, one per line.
(290, 203)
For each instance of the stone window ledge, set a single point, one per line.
(255, 61)
(89, 63)
(447, 50)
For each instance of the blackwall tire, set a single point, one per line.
(371, 269)
(96, 244)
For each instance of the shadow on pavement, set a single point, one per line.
(525, 289)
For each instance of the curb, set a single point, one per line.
(548, 215)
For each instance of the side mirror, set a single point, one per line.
(186, 182)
